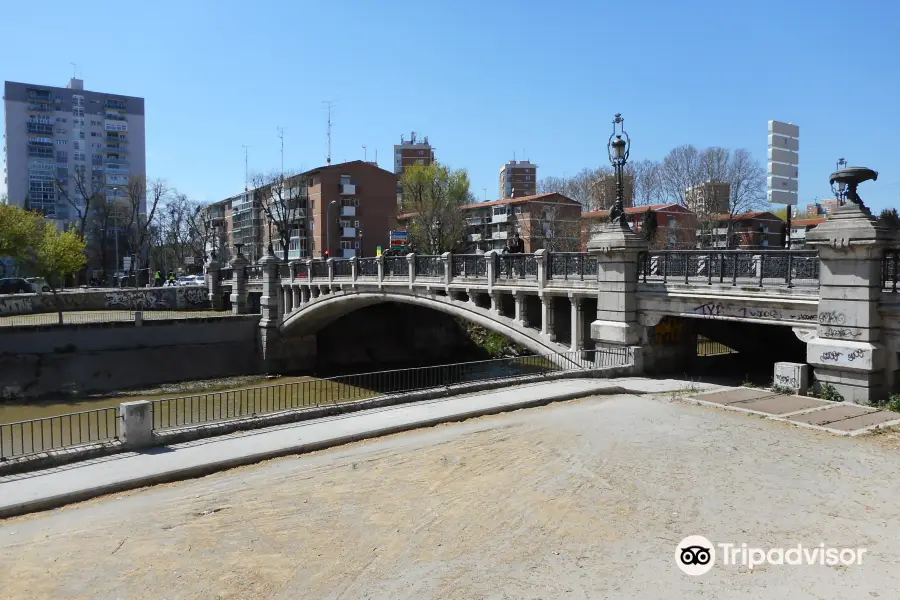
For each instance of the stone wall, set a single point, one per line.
(104, 357)
(163, 298)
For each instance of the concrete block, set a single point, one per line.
(618, 333)
(137, 424)
(792, 375)
(845, 355)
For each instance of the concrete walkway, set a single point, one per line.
(39, 490)
(842, 418)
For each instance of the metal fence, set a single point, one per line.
(342, 267)
(572, 265)
(468, 265)
(396, 266)
(761, 268)
(25, 438)
(249, 402)
(253, 272)
(300, 270)
(708, 347)
(429, 266)
(319, 269)
(516, 266)
(107, 316)
(368, 267)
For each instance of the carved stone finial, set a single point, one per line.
(851, 177)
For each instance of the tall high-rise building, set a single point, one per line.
(709, 197)
(64, 143)
(407, 153)
(518, 179)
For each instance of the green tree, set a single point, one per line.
(649, 227)
(41, 248)
(890, 219)
(433, 194)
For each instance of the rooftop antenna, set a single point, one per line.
(329, 104)
(376, 157)
(281, 137)
(365, 153)
(74, 70)
(246, 170)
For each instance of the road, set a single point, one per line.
(582, 499)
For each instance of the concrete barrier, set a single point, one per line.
(161, 298)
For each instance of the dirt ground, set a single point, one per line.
(584, 499)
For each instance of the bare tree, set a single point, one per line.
(681, 170)
(648, 182)
(283, 201)
(141, 200)
(556, 227)
(89, 191)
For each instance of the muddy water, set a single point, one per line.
(13, 411)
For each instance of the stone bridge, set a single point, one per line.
(840, 299)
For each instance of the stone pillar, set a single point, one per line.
(288, 299)
(617, 249)
(354, 268)
(541, 258)
(847, 350)
(295, 293)
(309, 269)
(304, 294)
(446, 259)
(521, 309)
(577, 322)
(137, 424)
(379, 262)
(214, 284)
(271, 291)
(490, 262)
(547, 317)
(238, 285)
(411, 266)
(496, 303)
(330, 263)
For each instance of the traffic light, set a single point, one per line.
(326, 254)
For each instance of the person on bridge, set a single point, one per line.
(157, 279)
(171, 277)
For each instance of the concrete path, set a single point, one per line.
(841, 418)
(39, 490)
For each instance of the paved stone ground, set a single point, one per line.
(583, 499)
(835, 417)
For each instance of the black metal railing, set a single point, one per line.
(396, 266)
(731, 267)
(225, 274)
(319, 269)
(342, 267)
(889, 270)
(25, 438)
(219, 406)
(253, 272)
(468, 265)
(516, 266)
(368, 267)
(429, 266)
(300, 270)
(571, 265)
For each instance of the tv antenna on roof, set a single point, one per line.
(329, 105)
(246, 170)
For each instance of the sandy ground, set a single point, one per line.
(585, 499)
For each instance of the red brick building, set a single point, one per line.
(676, 226)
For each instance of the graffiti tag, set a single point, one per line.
(832, 318)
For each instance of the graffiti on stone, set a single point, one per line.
(832, 317)
(667, 331)
(710, 309)
(719, 309)
(138, 299)
(16, 305)
(841, 332)
(192, 297)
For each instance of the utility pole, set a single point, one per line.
(329, 105)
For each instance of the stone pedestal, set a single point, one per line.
(617, 250)
(214, 284)
(239, 285)
(846, 351)
(137, 424)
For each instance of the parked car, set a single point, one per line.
(38, 284)
(199, 280)
(15, 285)
(184, 280)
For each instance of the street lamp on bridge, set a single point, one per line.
(619, 150)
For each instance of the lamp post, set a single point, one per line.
(619, 150)
(361, 248)
(840, 192)
(328, 227)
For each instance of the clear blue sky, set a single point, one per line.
(482, 79)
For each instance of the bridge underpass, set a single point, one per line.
(728, 352)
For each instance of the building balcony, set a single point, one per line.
(500, 218)
(40, 128)
(348, 253)
(38, 96)
(348, 189)
(474, 237)
(348, 232)
(40, 108)
(116, 139)
(499, 235)
(115, 149)
(115, 104)
(475, 221)
(348, 211)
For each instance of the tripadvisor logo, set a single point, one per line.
(696, 555)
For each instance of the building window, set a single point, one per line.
(345, 245)
(356, 224)
(356, 245)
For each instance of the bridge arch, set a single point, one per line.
(312, 317)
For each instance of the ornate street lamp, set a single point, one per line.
(840, 192)
(848, 179)
(619, 150)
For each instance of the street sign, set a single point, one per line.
(126, 263)
(399, 240)
(784, 156)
